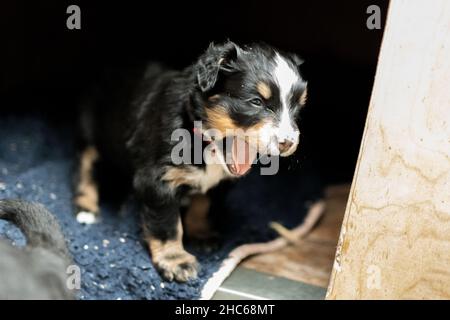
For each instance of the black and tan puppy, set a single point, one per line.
(37, 271)
(130, 120)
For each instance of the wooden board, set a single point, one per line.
(395, 239)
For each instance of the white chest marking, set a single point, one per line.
(197, 178)
(209, 178)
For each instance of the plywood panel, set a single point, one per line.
(395, 239)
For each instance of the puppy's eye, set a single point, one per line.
(257, 102)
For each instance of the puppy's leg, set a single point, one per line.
(170, 258)
(163, 230)
(196, 219)
(197, 225)
(86, 197)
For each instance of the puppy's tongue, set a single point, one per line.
(242, 156)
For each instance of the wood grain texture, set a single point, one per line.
(395, 239)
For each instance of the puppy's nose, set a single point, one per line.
(284, 145)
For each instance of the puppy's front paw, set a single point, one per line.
(86, 208)
(177, 265)
(87, 217)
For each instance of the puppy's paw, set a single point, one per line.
(86, 208)
(177, 265)
(87, 217)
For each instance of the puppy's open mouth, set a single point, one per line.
(240, 156)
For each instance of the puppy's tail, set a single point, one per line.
(38, 225)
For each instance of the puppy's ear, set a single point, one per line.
(297, 60)
(299, 63)
(216, 58)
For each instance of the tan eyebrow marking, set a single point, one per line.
(219, 119)
(304, 97)
(264, 90)
(214, 97)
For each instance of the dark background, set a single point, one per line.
(44, 67)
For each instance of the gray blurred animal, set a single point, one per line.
(37, 271)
